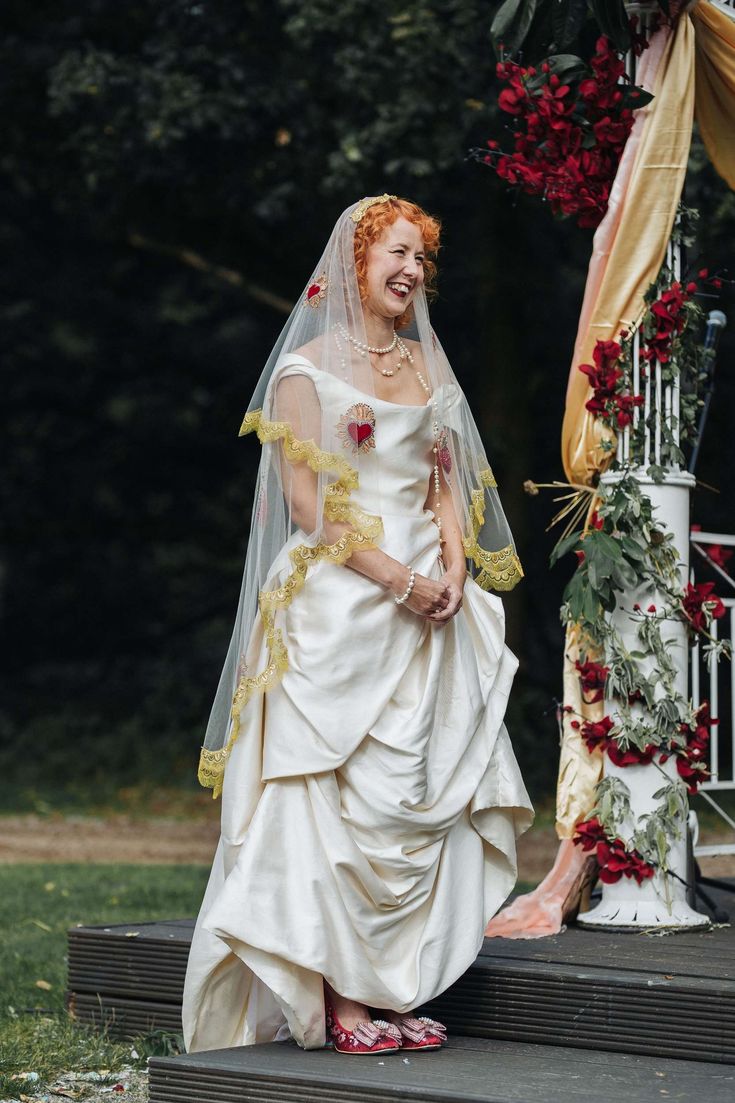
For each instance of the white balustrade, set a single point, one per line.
(716, 685)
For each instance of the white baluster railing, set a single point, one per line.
(716, 684)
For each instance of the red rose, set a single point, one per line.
(592, 676)
(596, 733)
(509, 101)
(701, 605)
(630, 757)
(589, 833)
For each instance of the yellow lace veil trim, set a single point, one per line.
(499, 570)
(366, 530)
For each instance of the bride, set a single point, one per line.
(370, 795)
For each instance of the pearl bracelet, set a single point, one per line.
(409, 588)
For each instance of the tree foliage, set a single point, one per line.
(169, 171)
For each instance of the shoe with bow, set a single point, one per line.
(420, 1032)
(377, 1036)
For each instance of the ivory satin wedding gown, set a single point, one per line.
(372, 801)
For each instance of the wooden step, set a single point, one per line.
(670, 996)
(468, 1070)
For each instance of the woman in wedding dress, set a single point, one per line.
(370, 795)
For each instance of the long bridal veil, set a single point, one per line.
(300, 442)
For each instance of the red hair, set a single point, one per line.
(373, 225)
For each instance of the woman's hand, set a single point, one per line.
(454, 588)
(428, 595)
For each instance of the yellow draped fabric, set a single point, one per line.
(630, 243)
(714, 87)
(628, 249)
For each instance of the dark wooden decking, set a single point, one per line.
(468, 1070)
(671, 996)
(585, 1016)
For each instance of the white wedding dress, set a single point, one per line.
(372, 801)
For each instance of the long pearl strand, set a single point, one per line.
(437, 431)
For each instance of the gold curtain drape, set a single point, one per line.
(714, 86)
(628, 249)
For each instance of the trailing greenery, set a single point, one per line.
(625, 550)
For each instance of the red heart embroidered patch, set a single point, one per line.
(359, 431)
(356, 428)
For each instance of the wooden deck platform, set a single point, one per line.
(649, 994)
(468, 1070)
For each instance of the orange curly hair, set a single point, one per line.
(372, 226)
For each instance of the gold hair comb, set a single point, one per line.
(369, 201)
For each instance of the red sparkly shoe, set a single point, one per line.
(421, 1032)
(377, 1036)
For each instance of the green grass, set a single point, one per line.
(38, 903)
(139, 802)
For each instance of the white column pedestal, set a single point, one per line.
(660, 901)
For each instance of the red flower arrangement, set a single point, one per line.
(701, 605)
(691, 757)
(567, 143)
(608, 401)
(614, 860)
(592, 676)
(597, 736)
(669, 319)
(665, 320)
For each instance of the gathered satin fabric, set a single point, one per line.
(372, 801)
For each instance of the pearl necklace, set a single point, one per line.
(364, 349)
(437, 434)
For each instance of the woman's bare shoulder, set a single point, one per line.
(312, 350)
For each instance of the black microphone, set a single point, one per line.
(716, 322)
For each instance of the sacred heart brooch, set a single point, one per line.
(316, 291)
(356, 428)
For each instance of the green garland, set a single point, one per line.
(626, 549)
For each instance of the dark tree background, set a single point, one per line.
(170, 173)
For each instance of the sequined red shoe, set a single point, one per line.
(377, 1036)
(421, 1032)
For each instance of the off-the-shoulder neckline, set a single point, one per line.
(371, 397)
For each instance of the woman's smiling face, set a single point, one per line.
(395, 269)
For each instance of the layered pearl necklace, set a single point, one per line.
(364, 349)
